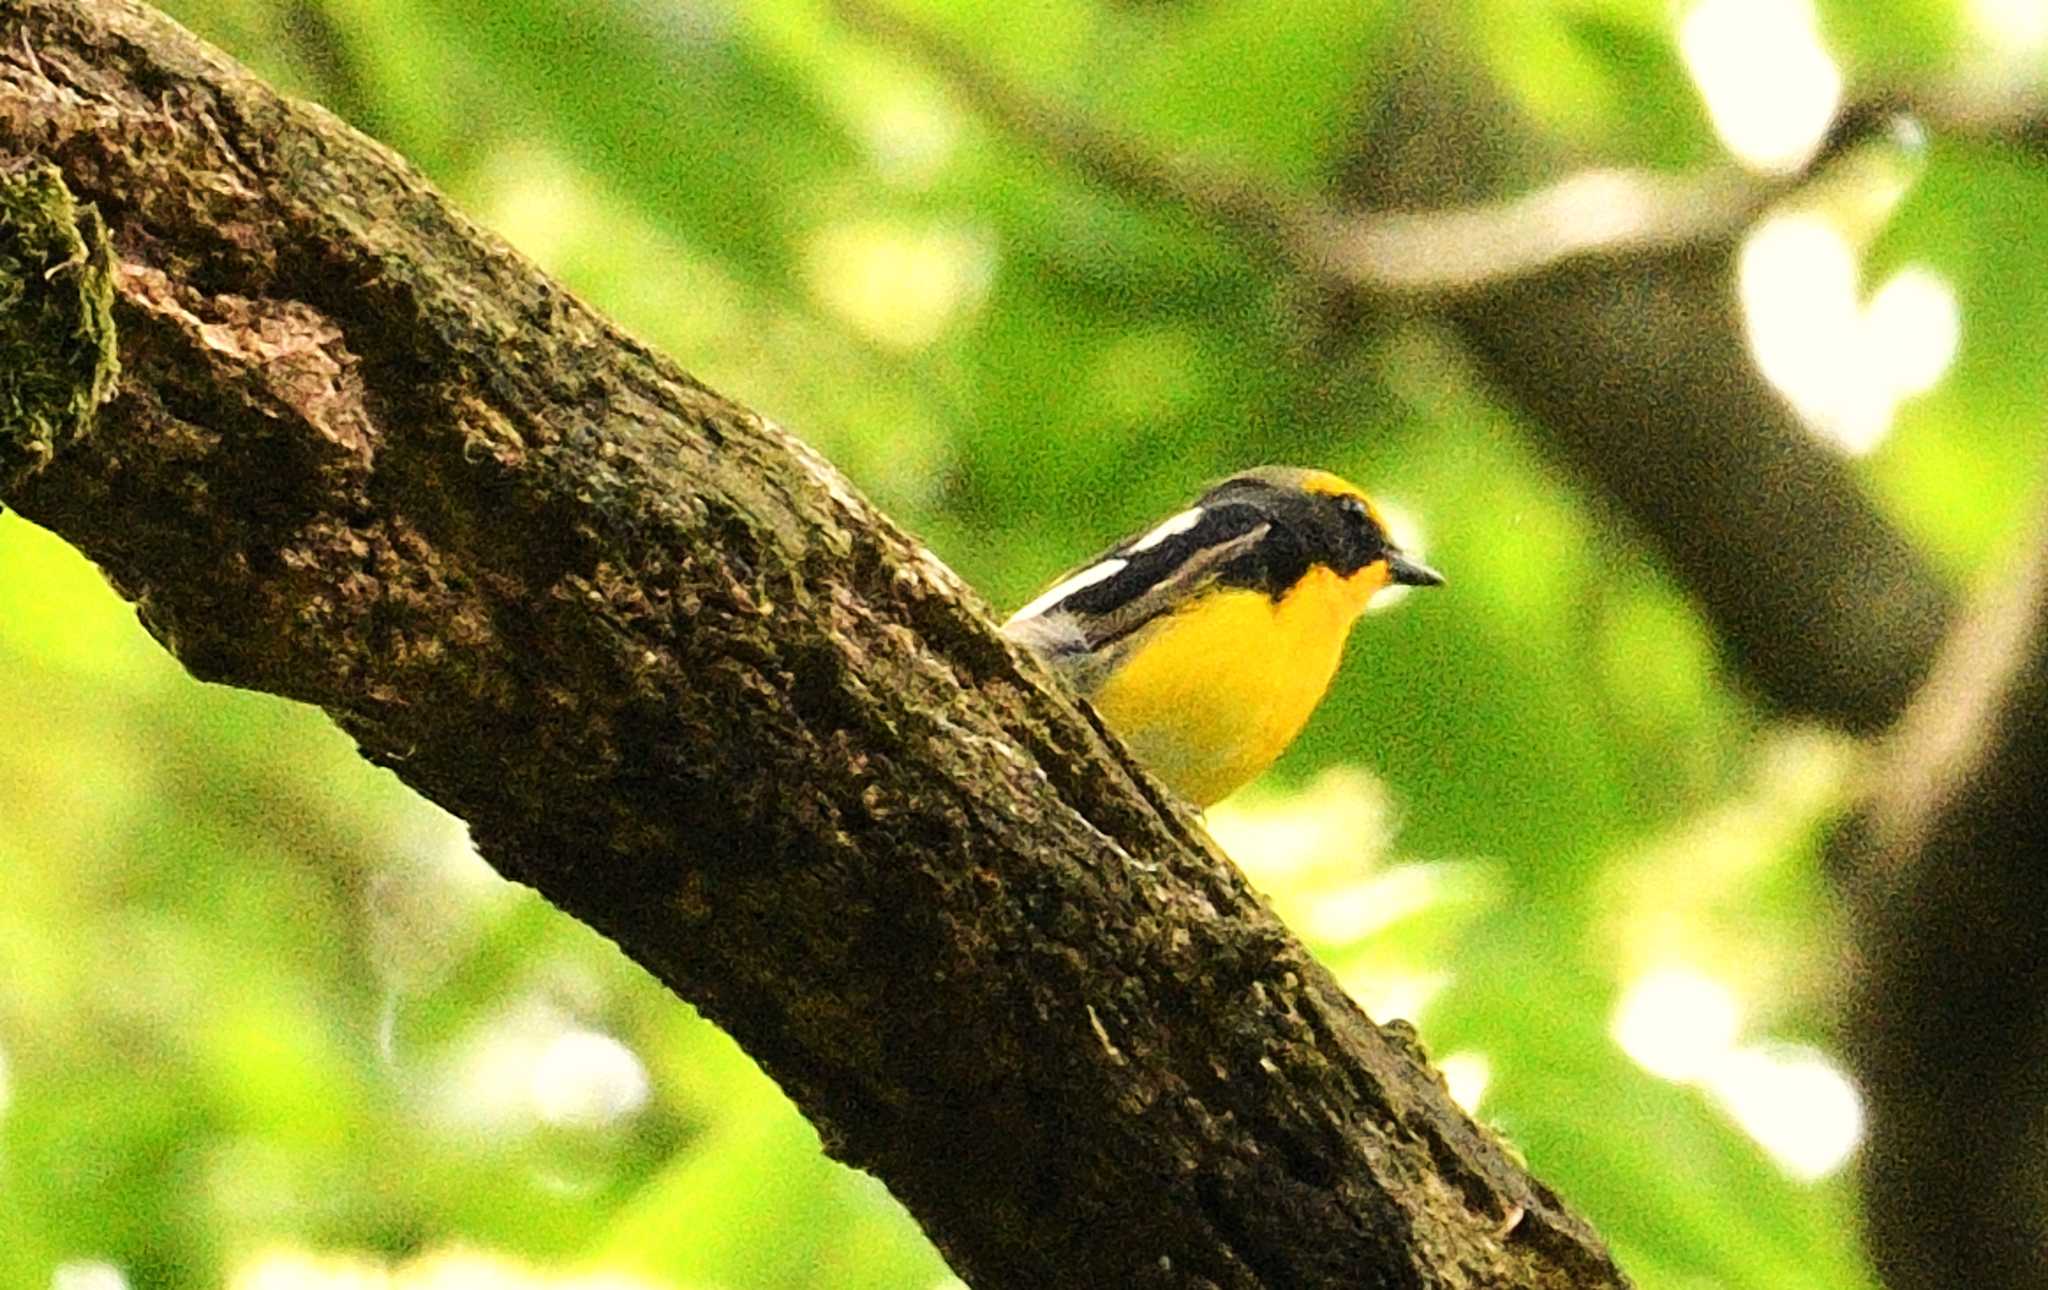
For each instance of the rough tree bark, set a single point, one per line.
(1947, 874)
(678, 676)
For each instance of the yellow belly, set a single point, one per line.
(1209, 697)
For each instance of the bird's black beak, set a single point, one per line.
(1409, 572)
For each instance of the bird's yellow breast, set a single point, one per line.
(1209, 696)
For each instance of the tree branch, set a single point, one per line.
(677, 675)
(1638, 374)
(1427, 254)
(1266, 223)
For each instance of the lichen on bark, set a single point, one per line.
(57, 351)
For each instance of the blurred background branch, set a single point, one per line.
(1949, 902)
(1262, 220)
(1635, 372)
(1430, 254)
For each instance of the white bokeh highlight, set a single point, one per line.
(1676, 1023)
(1682, 1025)
(87, 1274)
(1794, 1102)
(1466, 1076)
(2022, 24)
(585, 1079)
(534, 1065)
(1845, 365)
(2010, 38)
(1913, 328)
(1770, 86)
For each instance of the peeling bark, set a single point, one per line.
(678, 676)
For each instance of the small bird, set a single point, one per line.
(1207, 640)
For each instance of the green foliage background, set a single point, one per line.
(259, 1008)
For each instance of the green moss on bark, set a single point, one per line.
(57, 352)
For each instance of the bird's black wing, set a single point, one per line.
(1151, 574)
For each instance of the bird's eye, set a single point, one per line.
(1364, 540)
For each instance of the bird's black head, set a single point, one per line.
(1317, 519)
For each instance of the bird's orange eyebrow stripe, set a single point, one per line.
(1329, 485)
